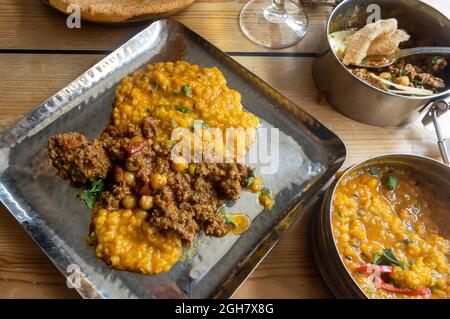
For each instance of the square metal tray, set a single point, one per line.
(47, 208)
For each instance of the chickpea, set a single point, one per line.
(130, 166)
(385, 75)
(158, 181)
(129, 202)
(129, 179)
(256, 185)
(146, 202)
(141, 213)
(179, 164)
(402, 80)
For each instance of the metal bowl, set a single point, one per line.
(326, 255)
(360, 100)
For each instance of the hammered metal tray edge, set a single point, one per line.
(66, 99)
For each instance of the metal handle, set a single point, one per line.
(423, 50)
(437, 109)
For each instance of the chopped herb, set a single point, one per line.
(252, 177)
(155, 86)
(374, 171)
(91, 195)
(227, 217)
(405, 72)
(266, 191)
(186, 90)
(75, 171)
(392, 182)
(410, 263)
(349, 258)
(182, 109)
(388, 258)
(377, 258)
(418, 82)
(435, 59)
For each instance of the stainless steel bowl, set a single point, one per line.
(326, 255)
(354, 97)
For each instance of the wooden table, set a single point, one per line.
(39, 55)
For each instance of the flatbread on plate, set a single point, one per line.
(120, 10)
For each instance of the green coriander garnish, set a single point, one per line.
(252, 177)
(418, 82)
(187, 91)
(266, 191)
(405, 72)
(392, 182)
(435, 59)
(374, 171)
(226, 216)
(91, 195)
(181, 109)
(387, 257)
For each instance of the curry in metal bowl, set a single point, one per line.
(386, 226)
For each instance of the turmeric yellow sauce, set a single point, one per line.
(126, 241)
(177, 94)
(389, 217)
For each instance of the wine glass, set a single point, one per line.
(273, 23)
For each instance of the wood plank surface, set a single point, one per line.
(27, 78)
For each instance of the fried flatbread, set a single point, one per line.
(120, 10)
(385, 45)
(358, 44)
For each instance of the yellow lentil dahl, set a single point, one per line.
(178, 93)
(392, 209)
(125, 240)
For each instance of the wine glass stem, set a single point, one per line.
(279, 5)
(276, 12)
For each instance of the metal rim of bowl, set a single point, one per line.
(433, 96)
(321, 225)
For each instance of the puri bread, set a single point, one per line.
(120, 10)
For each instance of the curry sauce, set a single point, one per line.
(390, 221)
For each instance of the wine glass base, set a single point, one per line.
(270, 29)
